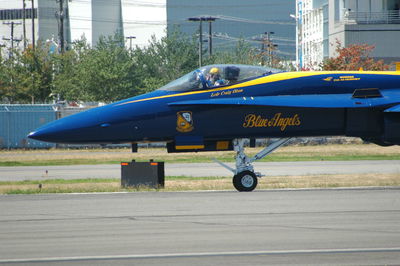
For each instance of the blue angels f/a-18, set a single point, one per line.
(216, 107)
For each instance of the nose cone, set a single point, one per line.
(57, 131)
(38, 134)
(77, 128)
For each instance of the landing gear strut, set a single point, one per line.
(245, 179)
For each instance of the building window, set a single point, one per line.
(14, 14)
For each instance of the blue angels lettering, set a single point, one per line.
(253, 120)
(218, 107)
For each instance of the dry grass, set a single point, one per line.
(327, 181)
(333, 151)
(339, 149)
(274, 182)
(60, 188)
(101, 155)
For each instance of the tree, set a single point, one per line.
(242, 53)
(107, 72)
(165, 60)
(26, 76)
(104, 73)
(354, 57)
(67, 81)
(6, 86)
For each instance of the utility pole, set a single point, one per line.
(297, 37)
(201, 43)
(270, 46)
(60, 15)
(24, 22)
(11, 39)
(210, 35)
(1, 47)
(33, 24)
(200, 20)
(130, 42)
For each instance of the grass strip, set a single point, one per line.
(331, 152)
(182, 183)
(95, 180)
(193, 159)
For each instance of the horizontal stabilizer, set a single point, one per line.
(305, 101)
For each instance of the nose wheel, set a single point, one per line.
(245, 181)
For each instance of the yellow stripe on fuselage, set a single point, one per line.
(268, 79)
(189, 147)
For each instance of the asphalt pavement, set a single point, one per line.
(266, 227)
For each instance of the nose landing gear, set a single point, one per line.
(245, 179)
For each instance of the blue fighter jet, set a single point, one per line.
(218, 107)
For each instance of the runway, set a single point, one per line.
(267, 227)
(202, 169)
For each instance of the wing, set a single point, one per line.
(394, 109)
(305, 101)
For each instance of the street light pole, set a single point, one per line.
(130, 41)
(201, 43)
(210, 37)
(297, 38)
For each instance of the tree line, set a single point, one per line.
(109, 71)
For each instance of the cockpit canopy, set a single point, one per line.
(217, 75)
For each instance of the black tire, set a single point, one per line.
(245, 181)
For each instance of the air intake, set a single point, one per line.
(367, 93)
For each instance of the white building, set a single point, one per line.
(12, 23)
(143, 19)
(89, 18)
(321, 23)
(311, 34)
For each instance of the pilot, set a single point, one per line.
(214, 78)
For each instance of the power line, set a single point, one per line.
(169, 22)
(155, 22)
(196, 5)
(235, 39)
(245, 20)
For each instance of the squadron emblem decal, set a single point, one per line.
(184, 121)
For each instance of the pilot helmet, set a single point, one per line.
(214, 70)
